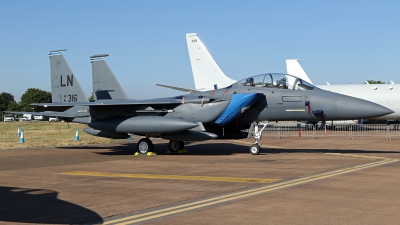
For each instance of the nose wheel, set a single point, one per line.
(175, 146)
(255, 149)
(254, 130)
(144, 146)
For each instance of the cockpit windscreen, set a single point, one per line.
(276, 80)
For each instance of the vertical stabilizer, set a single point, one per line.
(206, 72)
(105, 84)
(293, 68)
(64, 84)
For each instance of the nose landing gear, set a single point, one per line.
(254, 130)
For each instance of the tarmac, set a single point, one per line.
(331, 180)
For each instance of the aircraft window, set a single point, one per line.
(303, 85)
(268, 81)
(276, 80)
(282, 83)
(249, 82)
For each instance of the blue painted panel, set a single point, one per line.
(234, 109)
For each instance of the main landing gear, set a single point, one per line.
(175, 146)
(144, 146)
(254, 129)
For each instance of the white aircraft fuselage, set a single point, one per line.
(387, 95)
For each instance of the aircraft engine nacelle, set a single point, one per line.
(189, 136)
(143, 125)
(105, 134)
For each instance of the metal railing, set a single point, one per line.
(350, 131)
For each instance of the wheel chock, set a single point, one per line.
(136, 153)
(168, 151)
(182, 151)
(151, 153)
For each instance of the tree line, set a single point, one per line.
(31, 95)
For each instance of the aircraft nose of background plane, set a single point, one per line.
(359, 109)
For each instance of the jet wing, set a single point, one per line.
(177, 88)
(98, 103)
(160, 101)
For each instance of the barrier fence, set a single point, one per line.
(350, 131)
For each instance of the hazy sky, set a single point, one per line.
(344, 41)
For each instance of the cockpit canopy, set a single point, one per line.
(276, 80)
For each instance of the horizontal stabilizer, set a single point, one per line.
(50, 114)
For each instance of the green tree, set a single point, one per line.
(33, 95)
(3, 105)
(7, 101)
(375, 82)
(91, 98)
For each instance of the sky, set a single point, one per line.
(342, 41)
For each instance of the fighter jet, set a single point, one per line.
(199, 116)
(222, 112)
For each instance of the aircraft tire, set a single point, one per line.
(255, 149)
(144, 146)
(174, 146)
(181, 145)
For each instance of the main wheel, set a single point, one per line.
(255, 149)
(145, 145)
(181, 145)
(174, 146)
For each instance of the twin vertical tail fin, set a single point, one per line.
(64, 84)
(105, 84)
(206, 72)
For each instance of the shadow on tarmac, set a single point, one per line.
(228, 149)
(25, 205)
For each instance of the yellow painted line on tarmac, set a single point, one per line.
(239, 195)
(170, 177)
(250, 143)
(357, 156)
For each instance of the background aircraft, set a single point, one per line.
(207, 75)
(383, 94)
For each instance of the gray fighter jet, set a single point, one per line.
(221, 113)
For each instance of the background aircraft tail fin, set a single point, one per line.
(64, 84)
(206, 72)
(105, 84)
(293, 68)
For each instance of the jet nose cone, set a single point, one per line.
(355, 108)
